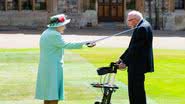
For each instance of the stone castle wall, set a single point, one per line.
(168, 17)
(82, 16)
(23, 18)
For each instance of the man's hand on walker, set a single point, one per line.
(91, 44)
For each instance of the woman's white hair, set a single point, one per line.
(135, 14)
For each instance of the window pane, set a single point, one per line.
(72, 2)
(100, 1)
(92, 4)
(114, 1)
(106, 1)
(40, 4)
(179, 4)
(26, 4)
(2, 5)
(120, 1)
(12, 4)
(131, 4)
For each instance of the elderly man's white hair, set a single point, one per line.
(136, 14)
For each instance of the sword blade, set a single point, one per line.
(112, 35)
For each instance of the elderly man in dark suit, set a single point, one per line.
(138, 57)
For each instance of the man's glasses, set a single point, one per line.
(130, 19)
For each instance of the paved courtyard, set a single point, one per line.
(30, 39)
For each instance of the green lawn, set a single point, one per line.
(165, 86)
(18, 68)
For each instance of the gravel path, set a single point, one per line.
(20, 40)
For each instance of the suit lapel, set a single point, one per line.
(140, 23)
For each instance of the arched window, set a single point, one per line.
(179, 4)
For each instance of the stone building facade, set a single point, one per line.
(166, 14)
(162, 14)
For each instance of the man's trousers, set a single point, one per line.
(136, 88)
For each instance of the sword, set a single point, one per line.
(97, 40)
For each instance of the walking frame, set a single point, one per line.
(108, 86)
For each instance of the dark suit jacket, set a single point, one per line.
(139, 54)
